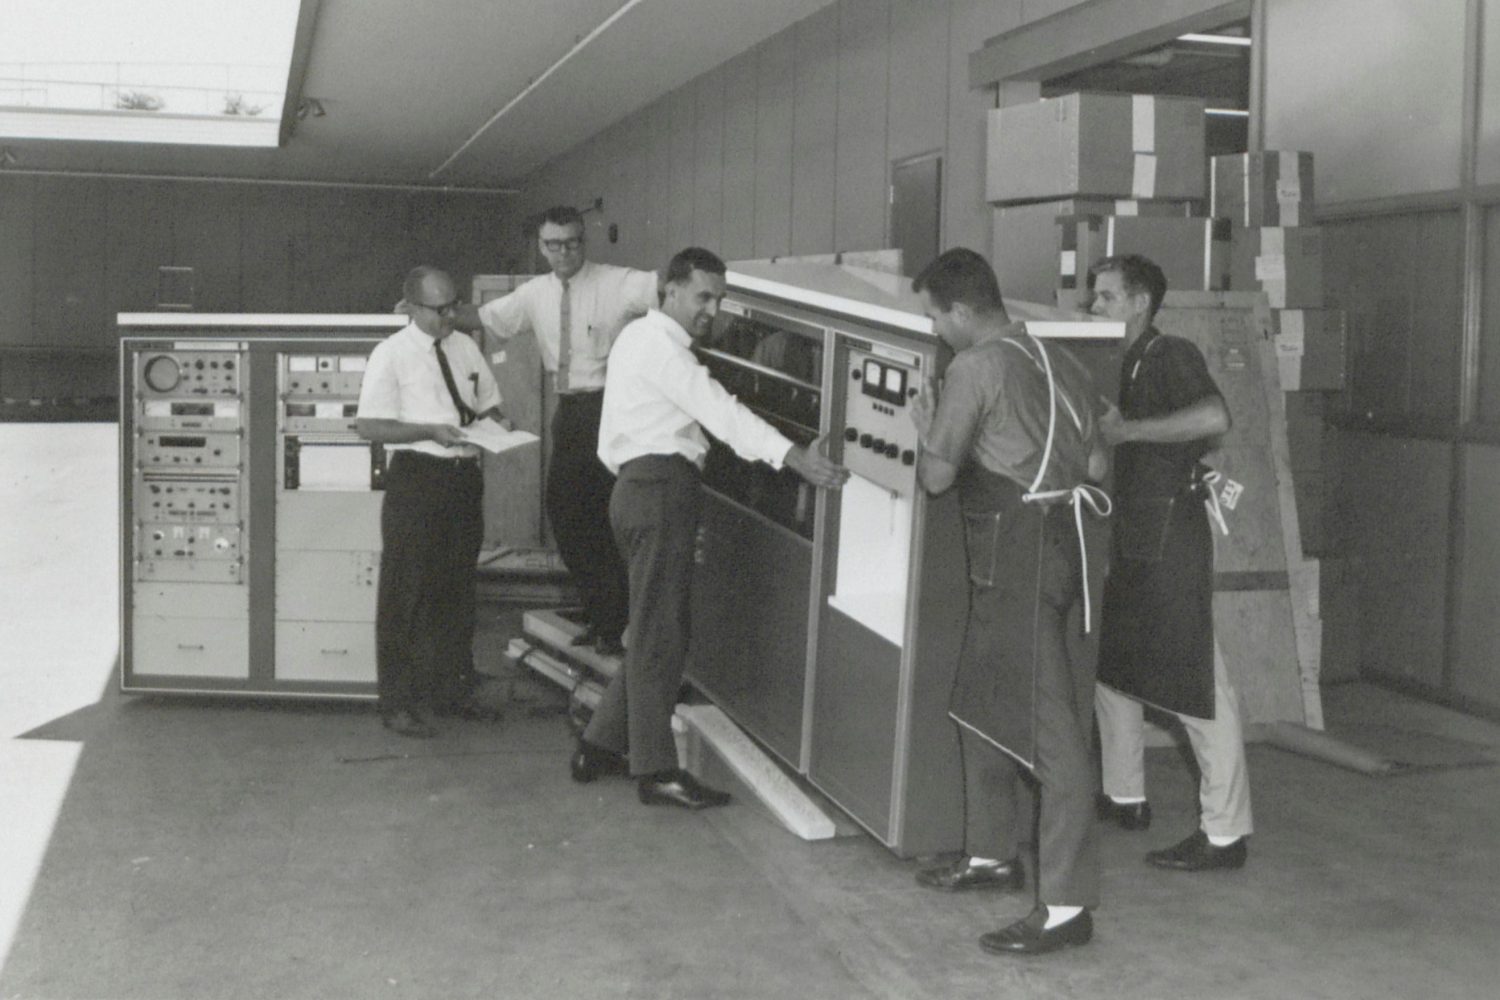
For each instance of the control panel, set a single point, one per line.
(189, 371)
(880, 441)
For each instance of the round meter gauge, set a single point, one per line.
(162, 373)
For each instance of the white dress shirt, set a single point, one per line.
(602, 298)
(658, 399)
(403, 381)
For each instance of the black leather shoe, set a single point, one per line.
(1196, 854)
(964, 874)
(609, 647)
(589, 762)
(1125, 815)
(1029, 936)
(678, 788)
(406, 723)
(587, 637)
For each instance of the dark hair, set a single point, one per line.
(960, 275)
(411, 288)
(682, 266)
(1138, 274)
(562, 215)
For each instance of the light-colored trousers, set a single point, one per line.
(1218, 745)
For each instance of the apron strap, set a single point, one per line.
(1077, 497)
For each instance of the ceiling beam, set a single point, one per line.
(1094, 33)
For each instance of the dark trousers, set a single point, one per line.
(1023, 615)
(431, 527)
(654, 510)
(578, 491)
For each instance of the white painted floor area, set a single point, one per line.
(59, 624)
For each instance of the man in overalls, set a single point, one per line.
(1157, 636)
(1015, 427)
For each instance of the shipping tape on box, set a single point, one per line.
(1143, 143)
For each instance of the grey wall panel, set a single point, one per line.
(661, 173)
(1489, 336)
(69, 255)
(267, 226)
(859, 221)
(17, 249)
(708, 159)
(206, 237)
(1399, 501)
(966, 219)
(684, 148)
(918, 89)
(386, 253)
(137, 239)
(1399, 279)
(1374, 88)
(776, 86)
(814, 127)
(1488, 167)
(1476, 666)
(740, 103)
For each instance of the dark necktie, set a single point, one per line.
(564, 339)
(465, 412)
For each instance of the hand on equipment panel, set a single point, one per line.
(923, 407)
(447, 435)
(811, 463)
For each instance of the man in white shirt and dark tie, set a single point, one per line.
(420, 388)
(576, 312)
(658, 401)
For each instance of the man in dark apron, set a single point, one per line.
(1157, 641)
(1015, 428)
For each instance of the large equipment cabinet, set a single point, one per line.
(250, 509)
(828, 624)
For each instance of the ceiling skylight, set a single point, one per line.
(201, 72)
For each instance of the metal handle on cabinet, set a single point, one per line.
(334, 652)
(190, 645)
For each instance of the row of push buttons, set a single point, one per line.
(880, 446)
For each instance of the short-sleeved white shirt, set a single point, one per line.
(403, 382)
(602, 298)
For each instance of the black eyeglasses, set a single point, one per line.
(558, 246)
(446, 309)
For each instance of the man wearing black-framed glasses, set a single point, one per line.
(421, 387)
(576, 312)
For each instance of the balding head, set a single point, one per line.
(430, 296)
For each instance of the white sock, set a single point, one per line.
(978, 862)
(1126, 800)
(1060, 915)
(1220, 841)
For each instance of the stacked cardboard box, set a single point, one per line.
(1079, 176)
(1271, 188)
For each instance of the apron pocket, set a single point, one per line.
(982, 543)
(1141, 526)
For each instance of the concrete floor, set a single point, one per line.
(187, 850)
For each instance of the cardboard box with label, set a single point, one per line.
(1193, 253)
(1284, 262)
(1099, 145)
(1271, 188)
(1031, 250)
(1311, 348)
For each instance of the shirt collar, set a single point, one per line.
(581, 275)
(672, 328)
(414, 336)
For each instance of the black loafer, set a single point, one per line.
(963, 874)
(679, 788)
(406, 723)
(1030, 936)
(589, 762)
(1196, 854)
(1125, 815)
